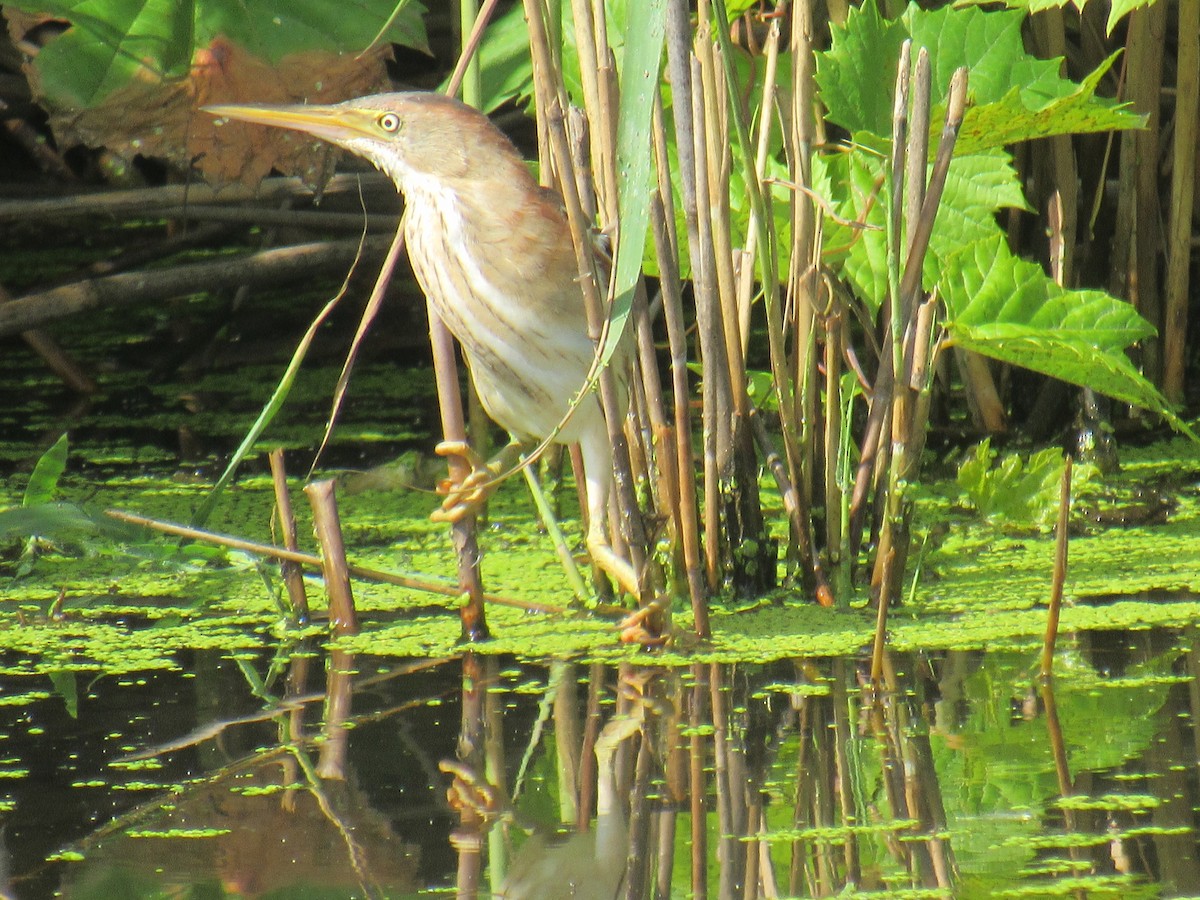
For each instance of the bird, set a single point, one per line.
(492, 251)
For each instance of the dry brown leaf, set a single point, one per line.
(163, 119)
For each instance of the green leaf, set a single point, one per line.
(505, 64)
(66, 686)
(986, 287)
(506, 68)
(1018, 491)
(43, 482)
(856, 76)
(60, 522)
(1009, 309)
(1014, 96)
(736, 8)
(990, 45)
(1018, 116)
(1029, 6)
(976, 188)
(111, 44)
(1118, 9)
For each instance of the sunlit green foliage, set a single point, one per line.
(115, 42)
(1018, 491)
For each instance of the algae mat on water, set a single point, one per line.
(105, 602)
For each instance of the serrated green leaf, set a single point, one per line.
(1016, 117)
(1108, 373)
(1019, 490)
(976, 188)
(987, 42)
(985, 287)
(856, 76)
(850, 184)
(1118, 9)
(1029, 6)
(1014, 96)
(1008, 309)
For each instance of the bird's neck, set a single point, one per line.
(498, 215)
(469, 197)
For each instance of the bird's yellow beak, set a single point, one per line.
(331, 123)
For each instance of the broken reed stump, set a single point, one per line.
(327, 527)
(289, 570)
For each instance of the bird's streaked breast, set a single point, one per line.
(504, 286)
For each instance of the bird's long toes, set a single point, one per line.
(461, 449)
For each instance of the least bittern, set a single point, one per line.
(492, 251)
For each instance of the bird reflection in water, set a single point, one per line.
(589, 865)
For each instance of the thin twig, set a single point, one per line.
(314, 562)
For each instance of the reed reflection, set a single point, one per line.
(740, 782)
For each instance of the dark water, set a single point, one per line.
(963, 779)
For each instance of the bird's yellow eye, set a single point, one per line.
(389, 122)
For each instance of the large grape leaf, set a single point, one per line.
(984, 285)
(976, 188)
(113, 44)
(1008, 309)
(857, 74)
(1016, 95)
(1117, 9)
(1016, 117)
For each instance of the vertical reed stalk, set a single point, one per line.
(328, 528)
(462, 533)
(666, 250)
(1183, 182)
(684, 85)
(551, 103)
(289, 570)
(715, 395)
(1137, 236)
(803, 283)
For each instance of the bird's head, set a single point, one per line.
(412, 136)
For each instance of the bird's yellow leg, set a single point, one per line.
(598, 477)
(608, 559)
(465, 497)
